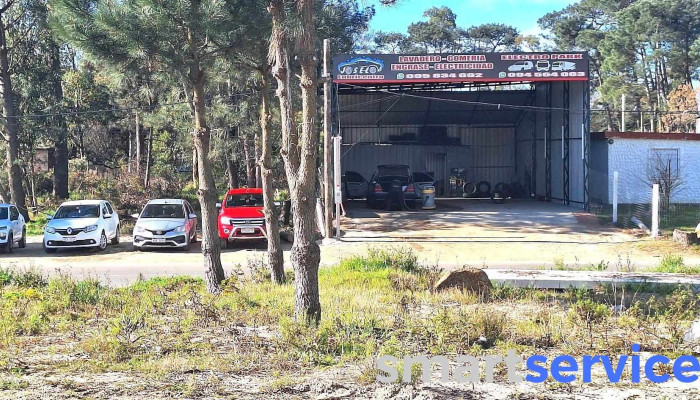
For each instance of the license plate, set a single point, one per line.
(158, 240)
(247, 230)
(69, 239)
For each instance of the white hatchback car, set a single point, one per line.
(165, 223)
(12, 228)
(84, 223)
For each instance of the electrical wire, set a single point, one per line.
(523, 107)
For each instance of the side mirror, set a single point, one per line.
(193, 215)
(49, 217)
(218, 205)
(135, 216)
(107, 216)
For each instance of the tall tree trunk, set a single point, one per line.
(211, 247)
(232, 171)
(306, 254)
(249, 161)
(139, 140)
(195, 165)
(258, 155)
(274, 247)
(299, 156)
(11, 127)
(60, 167)
(147, 171)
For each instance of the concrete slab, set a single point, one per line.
(548, 279)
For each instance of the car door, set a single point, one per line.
(15, 223)
(106, 222)
(356, 184)
(191, 221)
(114, 221)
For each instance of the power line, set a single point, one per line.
(526, 107)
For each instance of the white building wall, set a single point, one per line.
(632, 157)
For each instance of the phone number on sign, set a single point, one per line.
(545, 74)
(441, 76)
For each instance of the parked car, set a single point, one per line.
(542, 65)
(380, 184)
(521, 66)
(84, 223)
(12, 228)
(241, 216)
(354, 185)
(423, 180)
(165, 223)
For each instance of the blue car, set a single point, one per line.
(379, 185)
(361, 66)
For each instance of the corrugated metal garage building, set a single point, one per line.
(527, 130)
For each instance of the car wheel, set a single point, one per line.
(186, 247)
(8, 247)
(135, 248)
(23, 241)
(115, 239)
(194, 238)
(49, 251)
(102, 246)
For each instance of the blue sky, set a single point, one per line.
(522, 14)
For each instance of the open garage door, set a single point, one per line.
(478, 120)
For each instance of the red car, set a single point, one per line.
(241, 216)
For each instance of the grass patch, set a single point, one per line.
(674, 264)
(374, 304)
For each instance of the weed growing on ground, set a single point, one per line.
(379, 303)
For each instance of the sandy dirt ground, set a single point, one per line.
(517, 234)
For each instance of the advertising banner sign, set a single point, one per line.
(440, 68)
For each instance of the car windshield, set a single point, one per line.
(163, 211)
(78, 211)
(421, 177)
(244, 200)
(392, 170)
(4, 213)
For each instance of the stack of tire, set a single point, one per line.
(483, 190)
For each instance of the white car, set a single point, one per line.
(521, 66)
(84, 223)
(12, 228)
(165, 223)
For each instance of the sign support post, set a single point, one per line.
(337, 177)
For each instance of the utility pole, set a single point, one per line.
(623, 126)
(327, 186)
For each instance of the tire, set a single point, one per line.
(115, 239)
(102, 246)
(8, 246)
(135, 248)
(469, 189)
(484, 188)
(503, 189)
(23, 242)
(49, 251)
(225, 244)
(194, 238)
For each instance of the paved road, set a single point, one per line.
(514, 235)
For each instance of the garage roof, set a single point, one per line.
(434, 108)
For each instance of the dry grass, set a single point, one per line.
(167, 337)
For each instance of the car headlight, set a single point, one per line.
(139, 229)
(181, 228)
(226, 221)
(90, 228)
(50, 229)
